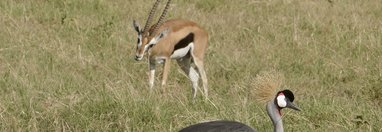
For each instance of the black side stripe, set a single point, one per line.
(184, 42)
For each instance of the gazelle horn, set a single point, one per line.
(150, 17)
(162, 16)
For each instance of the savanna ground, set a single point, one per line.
(67, 65)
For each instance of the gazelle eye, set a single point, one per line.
(281, 101)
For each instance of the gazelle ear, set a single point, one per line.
(156, 39)
(136, 26)
(163, 33)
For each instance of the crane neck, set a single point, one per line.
(275, 115)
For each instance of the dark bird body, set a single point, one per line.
(218, 126)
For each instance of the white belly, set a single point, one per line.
(179, 53)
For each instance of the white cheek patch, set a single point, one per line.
(151, 43)
(281, 101)
(146, 48)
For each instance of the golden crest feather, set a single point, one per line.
(266, 85)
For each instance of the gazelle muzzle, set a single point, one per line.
(138, 57)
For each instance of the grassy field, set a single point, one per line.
(67, 65)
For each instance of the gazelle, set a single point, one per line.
(178, 39)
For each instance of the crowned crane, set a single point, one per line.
(265, 92)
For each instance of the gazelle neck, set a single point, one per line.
(274, 114)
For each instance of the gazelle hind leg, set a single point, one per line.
(185, 64)
(200, 66)
(197, 54)
(194, 77)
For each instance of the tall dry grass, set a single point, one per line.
(67, 65)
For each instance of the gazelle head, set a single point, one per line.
(145, 42)
(146, 37)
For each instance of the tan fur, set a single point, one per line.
(266, 85)
(179, 28)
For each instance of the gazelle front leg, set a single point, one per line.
(166, 69)
(151, 74)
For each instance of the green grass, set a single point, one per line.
(67, 65)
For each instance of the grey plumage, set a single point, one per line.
(283, 99)
(218, 126)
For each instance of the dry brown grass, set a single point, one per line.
(68, 65)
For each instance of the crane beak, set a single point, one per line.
(292, 106)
